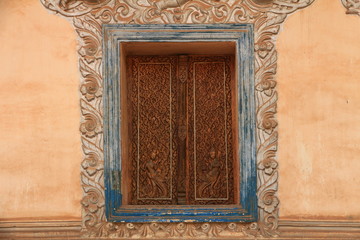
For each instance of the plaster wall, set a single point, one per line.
(40, 151)
(319, 108)
(319, 113)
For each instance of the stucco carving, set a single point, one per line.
(352, 6)
(87, 17)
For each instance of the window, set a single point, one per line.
(179, 123)
(181, 130)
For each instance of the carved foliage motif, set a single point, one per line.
(88, 16)
(153, 100)
(153, 93)
(352, 6)
(210, 134)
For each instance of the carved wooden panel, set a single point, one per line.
(210, 131)
(153, 137)
(182, 128)
(199, 106)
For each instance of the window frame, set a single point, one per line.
(243, 36)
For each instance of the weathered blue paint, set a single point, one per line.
(242, 34)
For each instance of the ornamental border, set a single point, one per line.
(88, 16)
(242, 36)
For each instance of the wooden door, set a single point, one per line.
(181, 130)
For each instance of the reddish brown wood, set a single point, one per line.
(210, 140)
(153, 138)
(182, 127)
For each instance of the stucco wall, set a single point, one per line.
(319, 108)
(319, 113)
(40, 151)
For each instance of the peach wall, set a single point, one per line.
(319, 113)
(40, 149)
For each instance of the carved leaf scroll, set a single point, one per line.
(153, 111)
(153, 94)
(352, 6)
(87, 18)
(210, 131)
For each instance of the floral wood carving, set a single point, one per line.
(88, 16)
(211, 81)
(352, 6)
(153, 178)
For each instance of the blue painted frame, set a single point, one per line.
(243, 36)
